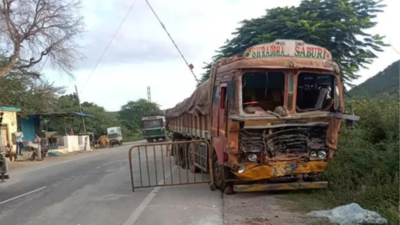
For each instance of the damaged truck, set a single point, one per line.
(271, 117)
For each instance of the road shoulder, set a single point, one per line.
(16, 166)
(262, 209)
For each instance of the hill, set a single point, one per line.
(386, 81)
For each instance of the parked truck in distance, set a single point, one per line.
(271, 116)
(154, 128)
(114, 136)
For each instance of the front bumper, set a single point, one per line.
(255, 171)
(154, 136)
(280, 186)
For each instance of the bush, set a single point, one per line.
(365, 169)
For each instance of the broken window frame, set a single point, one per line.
(335, 77)
(240, 88)
(291, 91)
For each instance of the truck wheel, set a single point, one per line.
(218, 175)
(177, 154)
(183, 157)
(212, 187)
(191, 159)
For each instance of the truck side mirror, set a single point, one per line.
(350, 123)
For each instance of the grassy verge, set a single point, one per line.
(365, 169)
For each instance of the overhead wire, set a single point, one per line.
(109, 44)
(394, 49)
(172, 40)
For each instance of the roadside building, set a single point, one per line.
(9, 125)
(62, 142)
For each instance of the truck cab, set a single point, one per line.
(154, 128)
(114, 136)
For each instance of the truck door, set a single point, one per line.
(221, 111)
(218, 117)
(215, 109)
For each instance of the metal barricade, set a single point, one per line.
(170, 164)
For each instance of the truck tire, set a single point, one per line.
(180, 157)
(218, 175)
(191, 165)
(176, 154)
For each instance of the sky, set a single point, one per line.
(142, 55)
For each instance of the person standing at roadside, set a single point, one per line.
(19, 136)
(38, 142)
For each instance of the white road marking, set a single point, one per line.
(20, 196)
(105, 164)
(135, 215)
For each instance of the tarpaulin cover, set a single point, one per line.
(198, 103)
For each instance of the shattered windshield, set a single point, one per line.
(114, 135)
(262, 91)
(152, 123)
(314, 92)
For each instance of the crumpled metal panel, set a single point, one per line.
(253, 171)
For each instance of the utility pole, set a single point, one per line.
(80, 108)
(148, 94)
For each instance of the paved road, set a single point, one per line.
(96, 189)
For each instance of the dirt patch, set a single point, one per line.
(254, 221)
(262, 209)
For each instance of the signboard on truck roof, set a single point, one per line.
(287, 48)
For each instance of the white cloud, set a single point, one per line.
(142, 55)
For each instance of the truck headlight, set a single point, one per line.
(321, 154)
(240, 169)
(313, 154)
(252, 157)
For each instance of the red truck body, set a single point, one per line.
(272, 116)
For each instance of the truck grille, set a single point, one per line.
(292, 140)
(288, 141)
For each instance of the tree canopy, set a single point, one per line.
(32, 30)
(99, 124)
(34, 95)
(131, 114)
(28, 93)
(341, 26)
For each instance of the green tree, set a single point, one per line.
(31, 94)
(98, 125)
(341, 26)
(131, 114)
(102, 120)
